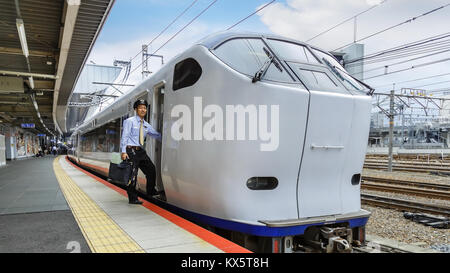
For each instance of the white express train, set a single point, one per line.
(264, 140)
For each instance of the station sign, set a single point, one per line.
(41, 135)
(27, 125)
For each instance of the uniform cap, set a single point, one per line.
(140, 102)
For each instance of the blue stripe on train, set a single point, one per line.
(247, 228)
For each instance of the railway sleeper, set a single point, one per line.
(428, 220)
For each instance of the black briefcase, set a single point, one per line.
(120, 173)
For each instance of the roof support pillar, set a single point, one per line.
(72, 7)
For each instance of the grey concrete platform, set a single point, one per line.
(41, 232)
(152, 232)
(34, 215)
(30, 185)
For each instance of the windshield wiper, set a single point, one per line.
(335, 70)
(262, 71)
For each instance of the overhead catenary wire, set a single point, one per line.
(402, 62)
(403, 47)
(173, 36)
(237, 23)
(335, 26)
(413, 80)
(404, 55)
(128, 68)
(169, 25)
(435, 83)
(412, 67)
(394, 26)
(250, 15)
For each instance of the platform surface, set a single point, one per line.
(110, 224)
(30, 185)
(51, 205)
(34, 215)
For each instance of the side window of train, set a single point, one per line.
(247, 56)
(186, 73)
(105, 138)
(88, 142)
(112, 130)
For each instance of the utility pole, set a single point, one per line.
(402, 109)
(391, 129)
(145, 71)
(145, 56)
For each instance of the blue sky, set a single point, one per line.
(133, 23)
(132, 19)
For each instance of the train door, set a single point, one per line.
(77, 147)
(157, 122)
(328, 129)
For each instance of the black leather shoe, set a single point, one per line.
(135, 202)
(154, 192)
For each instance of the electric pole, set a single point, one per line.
(391, 130)
(145, 56)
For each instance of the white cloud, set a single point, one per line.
(302, 19)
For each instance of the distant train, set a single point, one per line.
(285, 177)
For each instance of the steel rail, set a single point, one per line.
(427, 185)
(407, 190)
(412, 206)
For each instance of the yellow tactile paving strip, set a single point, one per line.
(102, 234)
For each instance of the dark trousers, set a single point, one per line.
(140, 160)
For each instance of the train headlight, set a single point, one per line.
(262, 183)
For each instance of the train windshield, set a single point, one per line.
(292, 52)
(299, 53)
(349, 82)
(247, 56)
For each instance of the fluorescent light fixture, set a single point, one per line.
(22, 37)
(30, 79)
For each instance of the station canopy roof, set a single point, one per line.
(44, 45)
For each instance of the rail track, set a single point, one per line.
(426, 163)
(377, 248)
(411, 206)
(410, 163)
(409, 167)
(413, 157)
(427, 189)
(413, 161)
